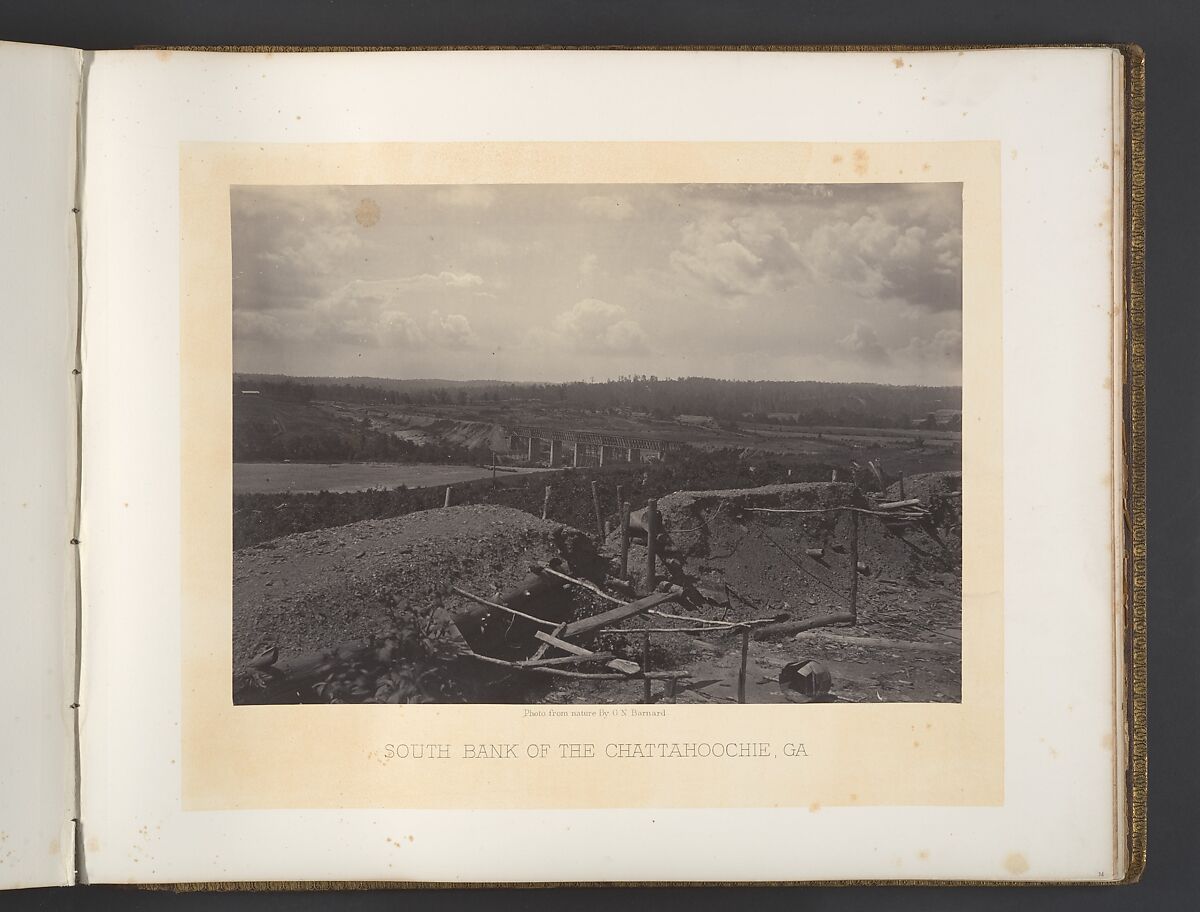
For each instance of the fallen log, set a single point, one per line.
(559, 672)
(885, 642)
(768, 631)
(898, 504)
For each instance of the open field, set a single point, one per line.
(342, 477)
(484, 424)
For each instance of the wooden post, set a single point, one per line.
(645, 667)
(651, 541)
(620, 497)
(854, 565)
(493, 468)
(447, 503)
(670, 682)
(835, 474)
(902, 486)
(742, 670)
(599, 521)
(546, 503)
(624, 573)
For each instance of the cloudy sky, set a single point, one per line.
(567, 282)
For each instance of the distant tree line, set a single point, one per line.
(804, 402)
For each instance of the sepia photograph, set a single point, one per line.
(597, 443)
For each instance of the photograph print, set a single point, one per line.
(597, 444)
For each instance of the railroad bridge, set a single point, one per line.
(585, 447)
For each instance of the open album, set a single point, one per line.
(572, 466)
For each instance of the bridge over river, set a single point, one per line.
(560, 447)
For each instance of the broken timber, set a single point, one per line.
(622, 665)
(616, 615)
(561, 672)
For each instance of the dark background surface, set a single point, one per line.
(1168, 33)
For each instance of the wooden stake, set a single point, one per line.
(742, 670)
(546, 503)
(651, 541)
(596, 507)
(902, 486)
(854, 566)
(447, 503)
(646, 667)
(624, 571)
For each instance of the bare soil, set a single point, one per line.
(307, 592)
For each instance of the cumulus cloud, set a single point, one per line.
(286, 243)
(864, 344)
(740, 256)
(882, 260)
(361, 314)
(617, 208)
(451, 330)
(598, 326)
(366, 314)
(944, 347)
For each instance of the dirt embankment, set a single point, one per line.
(304, 593)
(719, 537)
(739, 564)
(307, 592)
(423, 429)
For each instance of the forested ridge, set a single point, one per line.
(802, 402)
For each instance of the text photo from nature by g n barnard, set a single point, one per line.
(589, 444)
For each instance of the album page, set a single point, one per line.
(590, 466)
(39, 96)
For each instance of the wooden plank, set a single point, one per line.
(622, 665)
(541, 650)
(616, 615)
(551, 640)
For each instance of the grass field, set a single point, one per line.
(306, 477)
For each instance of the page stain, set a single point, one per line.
(1016, 864)
(367, 214)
